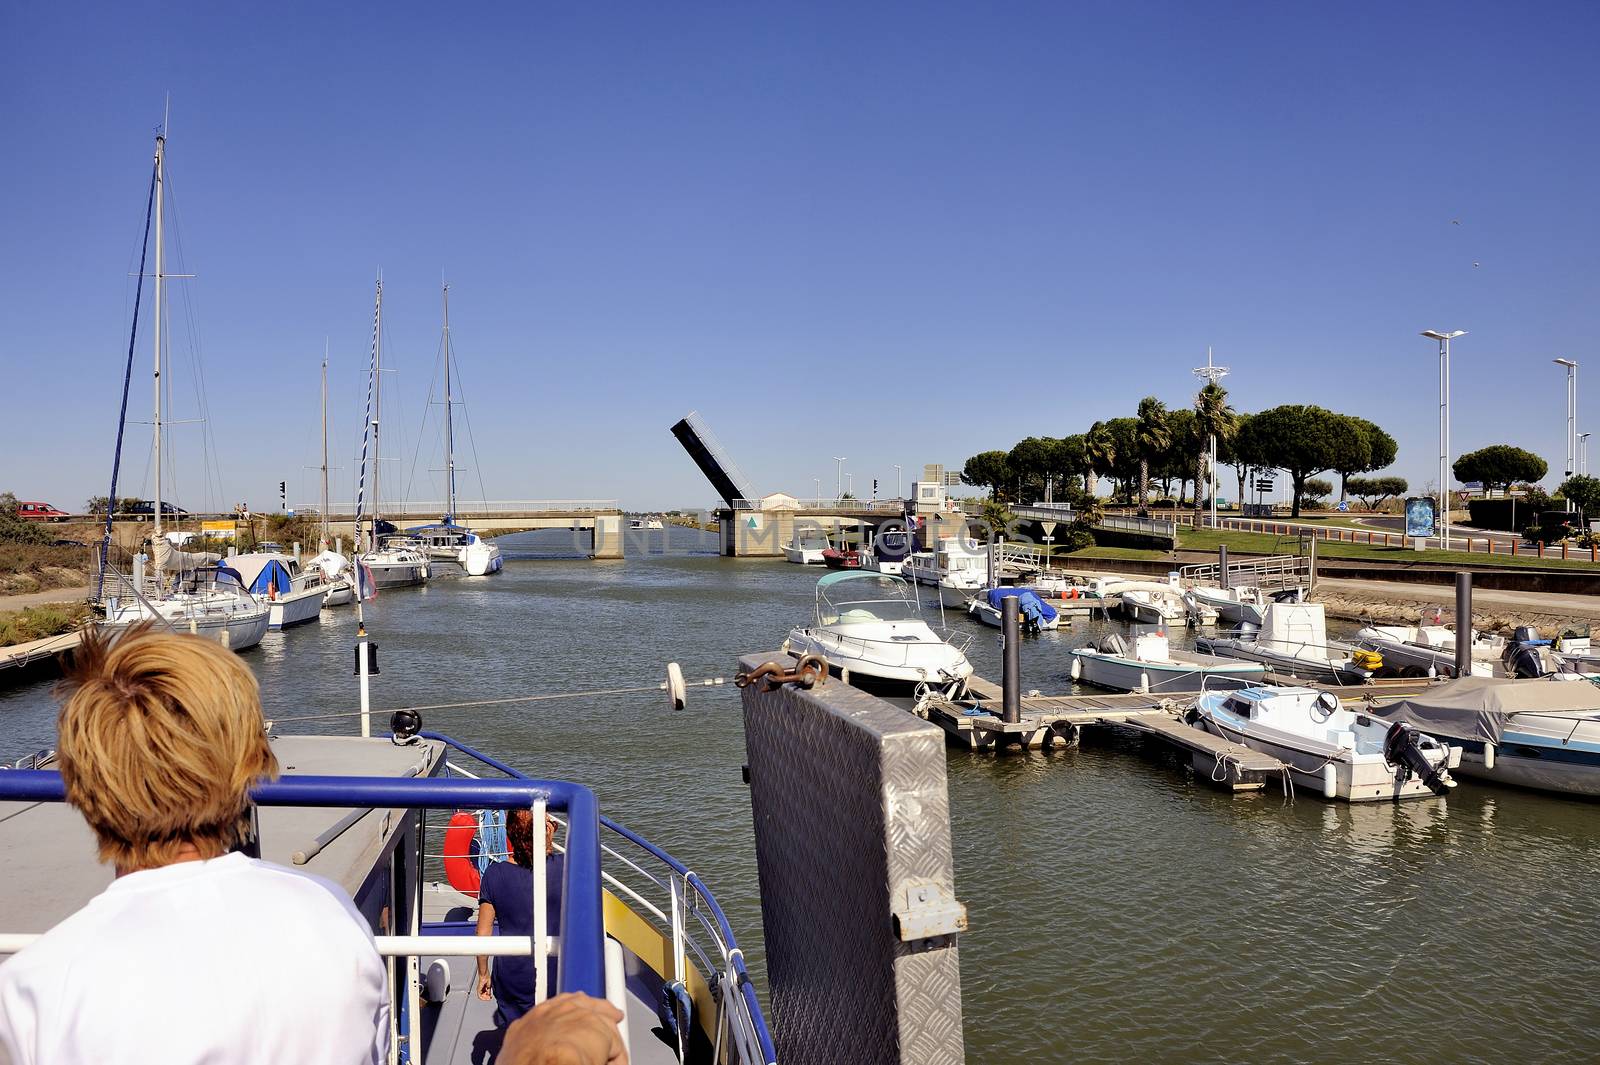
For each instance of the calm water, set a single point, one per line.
(1121, 909)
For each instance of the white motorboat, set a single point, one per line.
(1542, 734)
(292, 595)
(1150, 603)
(1152, 666)
(1338, 752)
(1034, 613)
(869, 624)
(645, 524)
(959, 563)
(1246, 605)
(1294, 641)
(806, 547)
(1428, 650)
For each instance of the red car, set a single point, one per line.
(40, 512)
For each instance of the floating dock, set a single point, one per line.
(36, 659)
(1049, 720)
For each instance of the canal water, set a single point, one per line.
(1121, 909)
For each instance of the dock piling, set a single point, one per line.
(1222, 565)
(1011, 675)
(1464, 623)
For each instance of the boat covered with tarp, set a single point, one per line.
(1541, 733)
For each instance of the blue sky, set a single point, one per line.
(902, 233)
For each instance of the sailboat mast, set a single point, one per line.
(377, 410)
(323, 545)
(449, 427)
(160, 296)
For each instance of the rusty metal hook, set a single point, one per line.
(810, 671)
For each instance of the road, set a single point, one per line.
(1397, 524)
(54, 595)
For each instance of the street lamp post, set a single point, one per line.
(899, 490)
(1212, 374)
(838, 490)
(1583, 454)
(1444, 427)
(1572, 414)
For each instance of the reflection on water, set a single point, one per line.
(1121, 908)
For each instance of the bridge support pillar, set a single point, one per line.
(607, 536)
(753, 533)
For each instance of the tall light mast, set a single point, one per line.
(1211, 374)
(161, 307)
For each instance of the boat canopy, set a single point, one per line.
(262, 572)
(1028, 603)
(863, 596)
(1478, 708)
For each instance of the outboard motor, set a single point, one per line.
(1247, 630)
(1289, 595)
(1523, 656)
(1113, 645)
(1402, 746)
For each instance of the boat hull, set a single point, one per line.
(339, 593)
(1118, 673)
(935, 662)
(238, 630)
(1356, 779)
(1329, 671)
(1230, 611)
(296, 608)
(803, 556)
(396, 574)
(481, 559)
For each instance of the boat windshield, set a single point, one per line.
(864, 598)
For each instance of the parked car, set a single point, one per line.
(146, 508)
(40, 512)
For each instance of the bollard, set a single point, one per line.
(1222, 565)
(1563, 550)
(992, 582)
(1464, 624)
(1011, 654)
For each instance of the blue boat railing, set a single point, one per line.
(581, 953)
(657, 886)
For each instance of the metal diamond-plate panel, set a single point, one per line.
(850, 803)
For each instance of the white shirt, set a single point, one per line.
(222, 961)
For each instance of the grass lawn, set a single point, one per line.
(37, 622)
(1265, 544)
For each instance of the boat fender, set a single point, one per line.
(1330, 781)
(1077, 666)
(458, 865)
(1144, 681)
(1488, 756)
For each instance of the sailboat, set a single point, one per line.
(391, 561)
(330, 560)
(445, 541)
(187, 592)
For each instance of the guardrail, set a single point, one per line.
(481, 507)
(581, 951)
(1140, 526)
(833, 506)
(689, 914)
(1284, 571)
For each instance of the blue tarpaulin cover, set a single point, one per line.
(1031, 606)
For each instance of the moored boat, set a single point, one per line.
(869, 624)
(1294, 641)
(1428, 650)
(806, 547)
(1337, 752)
(1034, 614)
(1542, 734)
(1151, 665)
(292, 595)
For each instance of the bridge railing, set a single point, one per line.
(492, 506)
(833, 506)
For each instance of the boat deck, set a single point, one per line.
(51, 870)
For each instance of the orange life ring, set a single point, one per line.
(459, 867)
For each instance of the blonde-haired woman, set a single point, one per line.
(196, 951)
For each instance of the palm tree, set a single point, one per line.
(1099, 454)
(1152, 437)
(1214, 419)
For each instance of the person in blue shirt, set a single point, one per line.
(505, 896)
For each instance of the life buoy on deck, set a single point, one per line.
(459, 867)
